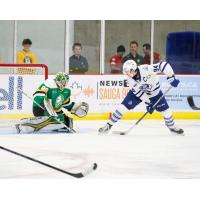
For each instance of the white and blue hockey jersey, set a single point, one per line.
(146, 84)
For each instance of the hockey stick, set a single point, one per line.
(60, 122)
(76, 175)
(137, 122)
(191, 103)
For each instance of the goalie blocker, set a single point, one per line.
(50, 102)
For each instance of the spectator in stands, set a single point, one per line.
(133, 55)
(116, 60)
(77, 63)
(26, 56)
(147, 54)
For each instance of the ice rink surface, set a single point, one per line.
(149, 151)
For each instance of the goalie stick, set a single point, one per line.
(191, 103)
(75, 175)
(68, 128)
(137, 122)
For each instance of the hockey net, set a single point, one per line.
(24, 69)
(15, 77)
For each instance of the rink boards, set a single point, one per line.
(102, 92)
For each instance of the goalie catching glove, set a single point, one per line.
(80, 109)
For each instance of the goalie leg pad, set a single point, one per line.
(30, 125)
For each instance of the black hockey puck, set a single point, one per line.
(95, 166)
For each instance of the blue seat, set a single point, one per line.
(183, 52)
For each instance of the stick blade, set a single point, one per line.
(119, 132)
(85, 172)
(89, 170)
(191, 103)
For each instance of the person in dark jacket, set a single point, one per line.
(133, 55)
(77, 63)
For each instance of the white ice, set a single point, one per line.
(149, 151)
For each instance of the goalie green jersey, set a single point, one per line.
(50, 91)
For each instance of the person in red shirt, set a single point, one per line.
(147, 54)
(116, 60)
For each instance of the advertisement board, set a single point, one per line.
(102, 92)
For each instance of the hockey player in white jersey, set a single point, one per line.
(144, 86)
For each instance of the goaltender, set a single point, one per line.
(50, 103)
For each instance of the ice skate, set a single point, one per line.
(176, 130)
(105, 129)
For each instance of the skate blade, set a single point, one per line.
(103, 133)
(62, 131)
(177, 134)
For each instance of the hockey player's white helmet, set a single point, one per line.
(128, 66)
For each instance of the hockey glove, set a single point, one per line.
(80, 109)
(49, 107)
(150, 108)
(173, 81)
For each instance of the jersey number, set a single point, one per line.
(156, 68)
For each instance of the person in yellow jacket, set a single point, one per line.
(26, 56)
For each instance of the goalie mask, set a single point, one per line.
(61, 80)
